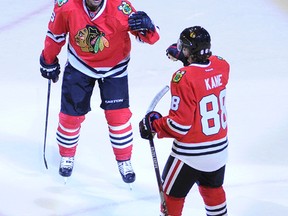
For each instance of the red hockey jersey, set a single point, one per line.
(98, 46)
(197, 117)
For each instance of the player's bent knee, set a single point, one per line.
(69, 121)
(118, 117)
(212, 196)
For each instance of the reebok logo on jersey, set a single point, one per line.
(178, 76)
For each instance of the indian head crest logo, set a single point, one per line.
(90, 39)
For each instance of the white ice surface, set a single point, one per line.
(251, 35)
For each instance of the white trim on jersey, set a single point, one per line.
(205, 156)
(120, 68)
(198, 149)
(99, 12)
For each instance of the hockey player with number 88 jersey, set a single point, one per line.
(197, 118)
(197, 121)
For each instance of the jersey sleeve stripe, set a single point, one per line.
(178, 128)
(57, 38)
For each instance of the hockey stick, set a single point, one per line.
(157, 98)
(46, 123)
(153, 104)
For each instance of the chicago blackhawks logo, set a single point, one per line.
(90, 39)
(125, 8)
(178, 76)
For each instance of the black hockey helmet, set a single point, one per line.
(198, 42)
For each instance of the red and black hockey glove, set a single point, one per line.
(50, 71)
(145, 125)
(174, 54)
(140, 21)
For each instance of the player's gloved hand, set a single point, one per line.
(145, 125)
(174, 54)
(50, 71)
(140, 21)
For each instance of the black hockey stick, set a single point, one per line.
(158, 177)
(46, 123)
(153, 104)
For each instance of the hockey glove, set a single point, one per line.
(145, 125)
(50, 71)
(174, 54)
(140, 21)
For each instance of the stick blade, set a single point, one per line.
(45, 162)
(157, 98)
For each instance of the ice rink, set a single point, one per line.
(251, 35)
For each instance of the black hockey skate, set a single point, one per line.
(66, 166)
(126, 171)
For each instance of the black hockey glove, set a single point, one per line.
(174, 54)
(145, 125)
(140, 21)
(50, 71)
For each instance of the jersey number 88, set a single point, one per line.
(213, 114)
(215, 117)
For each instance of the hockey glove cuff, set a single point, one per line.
(140, 21)
(50, 71)
(145, 125)
(174, 54)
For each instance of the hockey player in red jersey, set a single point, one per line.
(197, 121)
(98, 50)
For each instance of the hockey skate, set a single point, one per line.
(126, 171)
(66, 166)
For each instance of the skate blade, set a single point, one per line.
(130, 186)
(65, 180)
